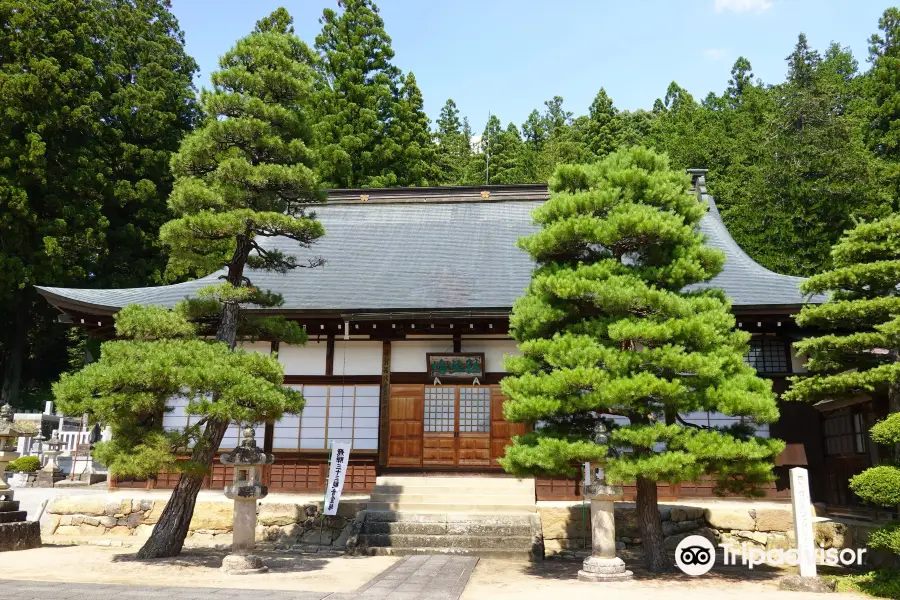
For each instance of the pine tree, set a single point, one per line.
(605, 127)
(859, 351)
(242, 177)
(358, 92)
(605, 329)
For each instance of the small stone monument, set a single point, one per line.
(15, 532)
(602, 564)
(51, 473)
(245, 490)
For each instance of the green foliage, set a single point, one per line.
(883, 583)
(604, 328)
(878, 485)
(96, 96)
(886, 538)
(884, 85)
(358, 90)
(860, 315)
(24, 464)
(129, 386)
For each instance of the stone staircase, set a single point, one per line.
(491, 517)
(432, 493)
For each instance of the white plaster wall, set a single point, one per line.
(303, 360)
(408, 356)
(494, 350)
(362, 357)
(260, 347)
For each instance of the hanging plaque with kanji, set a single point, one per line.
(458, 365)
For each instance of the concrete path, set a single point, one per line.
(413, 578)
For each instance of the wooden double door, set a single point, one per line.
(447, 426)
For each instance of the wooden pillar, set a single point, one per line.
(329, 355)
(457, 342)
(269, 430)
(383, 413)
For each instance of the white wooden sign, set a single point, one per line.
(340, 457)
(803, 522)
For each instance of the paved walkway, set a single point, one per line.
(435, 577)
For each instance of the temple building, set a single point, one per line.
(408, 326)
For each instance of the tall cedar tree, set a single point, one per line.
(357, 92)
(96, 97)
(883, 90)
(860, 353)
(454, 150)
(416, 163)
(605, 328)
(501, 153)
(242, 177)
(815, 174)
(604, 125)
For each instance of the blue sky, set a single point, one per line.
(509, 56)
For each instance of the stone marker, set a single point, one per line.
(245, 490)
(803, 522)
(603, 564)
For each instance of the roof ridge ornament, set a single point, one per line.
(485, 194)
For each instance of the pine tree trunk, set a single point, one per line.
(12, 371)
(651, 527)
(170, 531)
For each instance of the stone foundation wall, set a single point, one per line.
(278, 525)
(764, 527)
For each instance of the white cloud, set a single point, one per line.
(715, 53)
(742, 6)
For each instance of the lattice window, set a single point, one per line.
(440, 409)
(768, 355)
(844, 433)
(475, 409)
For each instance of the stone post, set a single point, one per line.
(603, 564)
(51, 473)
(245, 490)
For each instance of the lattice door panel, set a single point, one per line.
(474, 426)
(439, 439)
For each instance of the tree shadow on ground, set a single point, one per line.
(278, 562)
(568, 570)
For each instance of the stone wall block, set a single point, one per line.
(729, 518)
(77, 505)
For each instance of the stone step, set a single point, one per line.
(460, 528)
(446, 541)
(448, 486)
(454, 498)
(440, 507)
(389, 516)
(13, 516)
(449, 479)
(9, 506)
(513, 555)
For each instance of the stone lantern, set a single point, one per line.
(248, 460)
(603, 564)
(51, 473)
(9, 431)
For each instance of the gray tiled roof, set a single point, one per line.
(430, 255)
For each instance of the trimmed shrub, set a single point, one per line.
(24, 464)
